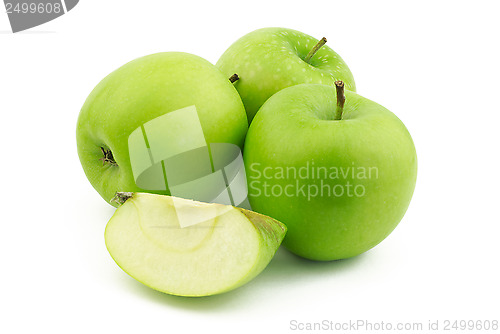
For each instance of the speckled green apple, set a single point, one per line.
(189, 248)
(270, 59)
(142, 90)
(339, 173)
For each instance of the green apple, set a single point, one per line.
(270, 59)
(187, 248)
(340, 173)
(144, 90)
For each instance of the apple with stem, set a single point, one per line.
(144, 90)
(338, 169)
(187, 248)
(270, 59)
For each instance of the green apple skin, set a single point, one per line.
(225, 250)
(142, 90)
(270, 59)
(296, 128)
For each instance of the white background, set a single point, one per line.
(435, 64)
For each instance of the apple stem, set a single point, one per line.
(234, 78)
(339, 85)
(315, 49)
(121, 197)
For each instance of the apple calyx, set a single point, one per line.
(315, 49)
(339, 86)
(121, 197)
(234, 78)
(107, 157)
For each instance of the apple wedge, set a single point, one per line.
(188, 248)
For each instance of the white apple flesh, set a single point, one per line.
(187, 248)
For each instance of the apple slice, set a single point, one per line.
(187, 248)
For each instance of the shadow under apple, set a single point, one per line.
(283, 271)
